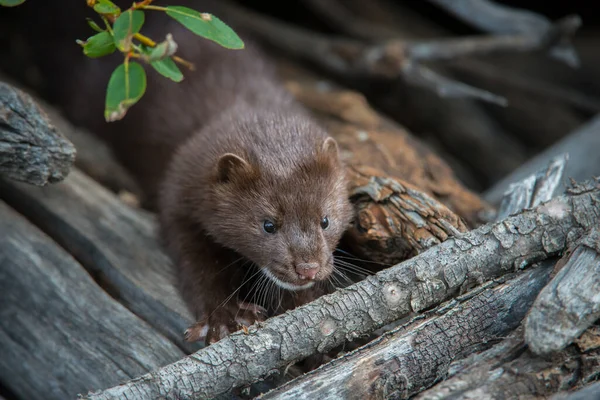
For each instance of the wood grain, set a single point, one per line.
(114, 242)
(31, 150)
(411, 287)
(61, 334)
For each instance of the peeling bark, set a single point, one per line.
(413, 286)
(31, 150)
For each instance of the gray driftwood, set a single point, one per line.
(404, 361)
(570, 304)
(94, 157)
(510, 371)
(31, 150)
(535, 189)
(582, 147)
(403, 364)
(61, 334)
(412, 286)
(117, 244)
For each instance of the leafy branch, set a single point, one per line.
(121, 32)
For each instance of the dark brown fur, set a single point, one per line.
(212, 208)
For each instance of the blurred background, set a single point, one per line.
(548, 98)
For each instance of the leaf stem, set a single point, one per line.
(183, 62)
(156, 8)
(145, 40)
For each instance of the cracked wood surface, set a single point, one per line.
(570, 303)
(31, 150)
(114, 242)
(404, 361)
(61, 334)
(424, 281)
(509, 370)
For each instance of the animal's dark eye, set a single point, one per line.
(324, 222)
(269, 226)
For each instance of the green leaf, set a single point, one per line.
(167, 68)
(94, 25)
(128, 24)
(206, 25)
(126, 87)
(99, 45)
(106, 7)
(11, 3)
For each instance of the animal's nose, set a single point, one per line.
(307, 270)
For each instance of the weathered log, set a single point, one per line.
(115, 243)
(535, 189)
(412, 286)
(61, 334)
(510, 371)
(570, 304)
(93, 155)
(581, 147)
(404, 361)
(394, 219)
(31, 150)
(339, 377)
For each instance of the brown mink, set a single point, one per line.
(250, 191)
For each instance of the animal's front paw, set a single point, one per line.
(225, 320)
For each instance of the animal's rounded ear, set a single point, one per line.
(330, 147)
(231, 165)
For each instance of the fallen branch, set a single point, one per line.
(394, 58)
(404, 361)
(114, 243)
(528, 85)
(570, 304)
(581, 146)
(422, 282)
(501, 19)
(60, 333)
(31, 150)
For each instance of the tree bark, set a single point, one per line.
(510, 371)
(410, 287)
(61, 334)
(570, 304)
(401, 363)
(94, 157)
(31, 150)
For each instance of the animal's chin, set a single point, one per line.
(284, 284)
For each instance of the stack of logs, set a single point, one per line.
(486, 296)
